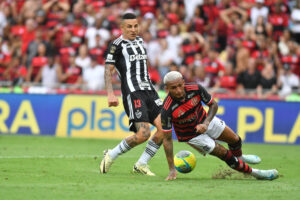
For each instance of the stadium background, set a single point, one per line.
(253, 67)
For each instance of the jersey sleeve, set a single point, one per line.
(205, 96)
(111, 54)
(166, 121)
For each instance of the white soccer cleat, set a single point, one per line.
(106, 162)
(142, 169)
(265, 174)
(250, 159)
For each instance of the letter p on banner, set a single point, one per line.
(243, 126)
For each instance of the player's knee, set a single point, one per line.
(143, 134)
(143, 139)
(237, 144)
(146, 134)
(237, 139)
(157, 138)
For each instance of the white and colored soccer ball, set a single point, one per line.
(184, 161)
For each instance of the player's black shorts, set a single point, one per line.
(142, 106)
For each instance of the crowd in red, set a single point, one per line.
(233, 45)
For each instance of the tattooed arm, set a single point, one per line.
(112, 99)
(213, 108)
(168, 146)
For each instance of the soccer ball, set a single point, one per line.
(184, 161)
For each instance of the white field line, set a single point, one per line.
(48, 156)
(60, 156)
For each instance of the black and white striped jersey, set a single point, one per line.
(130, 60)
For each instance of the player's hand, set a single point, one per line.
(112, 101)
(172, 175)
(201, 128)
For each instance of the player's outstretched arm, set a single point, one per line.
(112, 99)
(168, 146)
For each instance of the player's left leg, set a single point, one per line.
(136, 109)
(142, 134)
(235, 146)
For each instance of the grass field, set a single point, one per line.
(67, 168)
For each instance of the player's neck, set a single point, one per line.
(126, 38)
(182, 100)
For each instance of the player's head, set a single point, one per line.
(129, 26)
(174, 83)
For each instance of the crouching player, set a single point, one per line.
(183, 109)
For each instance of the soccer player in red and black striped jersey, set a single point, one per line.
(183, 110)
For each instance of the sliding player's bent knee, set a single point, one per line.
(236, 145)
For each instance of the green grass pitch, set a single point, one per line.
(33, 167)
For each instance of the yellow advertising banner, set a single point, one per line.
(90, 117)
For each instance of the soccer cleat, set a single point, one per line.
(142, 169)
(250, 159)
(265, 174)
(106, 162)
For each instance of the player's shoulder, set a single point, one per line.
(118, 41)
(191, 86)
(167, 103)
(115, 46)
(139, 39)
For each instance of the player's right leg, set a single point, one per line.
(235, 146)
(141, 166)
(142, 134)
(154, 105)
(206, 145)
(239, 165)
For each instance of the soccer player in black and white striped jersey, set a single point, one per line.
(141, 102)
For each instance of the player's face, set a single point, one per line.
(176, 89)
(130, 28)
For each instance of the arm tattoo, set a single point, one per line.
(108, 79)
(213, 108)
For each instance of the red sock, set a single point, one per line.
(236, 163)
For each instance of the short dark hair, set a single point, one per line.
(128, 16)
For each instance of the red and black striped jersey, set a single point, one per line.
(186, 114)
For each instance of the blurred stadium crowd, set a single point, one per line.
(230, 46)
